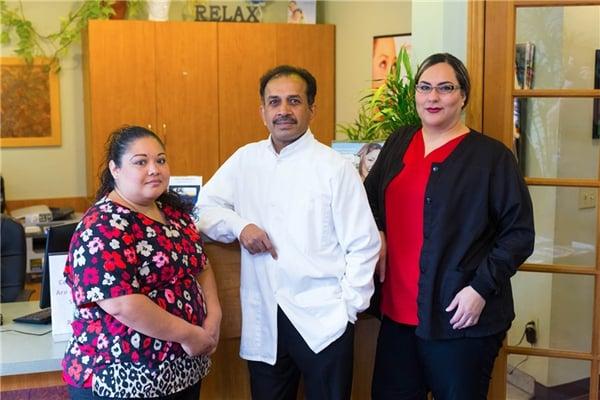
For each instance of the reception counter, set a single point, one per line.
(29, 357)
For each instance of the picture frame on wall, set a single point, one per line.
(302, 12)
(29, 102)
(385, 51)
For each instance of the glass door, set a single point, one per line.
(541, 97)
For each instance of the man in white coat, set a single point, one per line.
(309, 246)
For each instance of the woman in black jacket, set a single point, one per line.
(456, 221)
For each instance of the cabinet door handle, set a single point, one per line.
(150, 126)
(164, 138)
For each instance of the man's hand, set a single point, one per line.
(256, 241)
(469, 305)
(381, 263)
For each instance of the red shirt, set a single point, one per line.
(404, 197)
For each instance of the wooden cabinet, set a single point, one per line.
(195, 84)
(159, 75)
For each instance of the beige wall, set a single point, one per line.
(48, 172)
(356, 23)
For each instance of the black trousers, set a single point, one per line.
(327, 375)
(191, 393)
(408, 367)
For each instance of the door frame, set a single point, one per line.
(492, 27)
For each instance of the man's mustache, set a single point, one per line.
(287, 119)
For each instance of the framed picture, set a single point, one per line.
(302, 12)
(385, 52)
(29, 103)
(361, 154)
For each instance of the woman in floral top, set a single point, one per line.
(147, 312)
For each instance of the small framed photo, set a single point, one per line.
(302, 12)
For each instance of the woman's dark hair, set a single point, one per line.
(287, 70)
(116, 145)
(462, 75)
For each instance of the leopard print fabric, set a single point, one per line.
(129, 380)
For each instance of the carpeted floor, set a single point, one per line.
(48, 393)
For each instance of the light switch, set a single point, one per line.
(587, 198)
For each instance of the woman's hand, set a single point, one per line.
(381, 263)
(212, 322)
(469, 305)
(213, 327)
(198, 342)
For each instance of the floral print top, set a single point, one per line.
(116, 251)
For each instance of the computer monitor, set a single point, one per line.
(58, 239)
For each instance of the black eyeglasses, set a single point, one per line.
(443, 89)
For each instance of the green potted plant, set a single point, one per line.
(386, 108)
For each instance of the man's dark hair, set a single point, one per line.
(287, 70)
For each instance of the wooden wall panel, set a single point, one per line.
(365, 344)
(228, 379)
(245, 53)
(313, 47)
(118, 89)
(225, 261)
(186, 85)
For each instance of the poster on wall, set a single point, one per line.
(302, 12)
(361, 154)
(385, 52)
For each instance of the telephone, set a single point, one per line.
(41, 214)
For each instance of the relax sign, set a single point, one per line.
(240, 13)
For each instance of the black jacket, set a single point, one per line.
(477, 227)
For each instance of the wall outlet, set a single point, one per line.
(587, 198)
